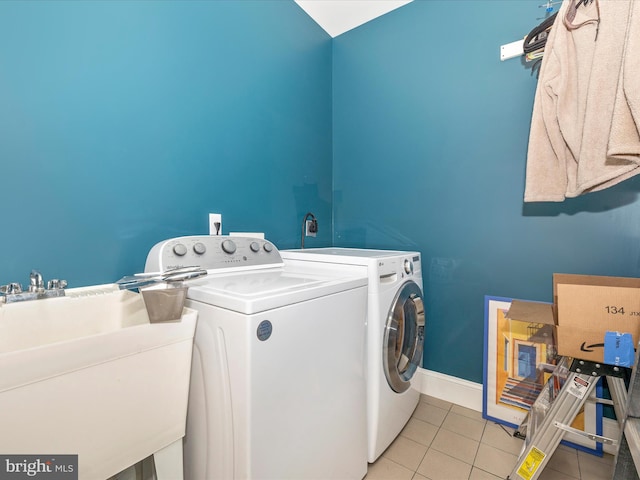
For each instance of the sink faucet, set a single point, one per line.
(36, 284)
(13, 291)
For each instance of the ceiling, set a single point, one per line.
(339, 16)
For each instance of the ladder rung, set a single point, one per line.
(582, 433)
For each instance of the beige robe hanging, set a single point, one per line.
(624, 140)
(574, 104)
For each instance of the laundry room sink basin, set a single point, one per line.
(87, 374)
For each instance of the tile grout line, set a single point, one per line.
(475, 457)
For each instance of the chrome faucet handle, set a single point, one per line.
(55, 284)
(11, 288)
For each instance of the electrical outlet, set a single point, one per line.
(311, 228)
(215, 224)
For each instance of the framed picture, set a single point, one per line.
(519, 360)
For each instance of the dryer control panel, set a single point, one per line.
(213, 252)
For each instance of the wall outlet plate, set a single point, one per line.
(215, 224)
(311, 228)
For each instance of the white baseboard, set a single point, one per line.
(451, 389)
(469, 394)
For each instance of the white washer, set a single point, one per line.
(395, 332)
(277, 383)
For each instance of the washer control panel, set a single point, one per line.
(399, 267)
(212, 252)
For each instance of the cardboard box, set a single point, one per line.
(586, 307)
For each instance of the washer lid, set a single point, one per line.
(259, 290)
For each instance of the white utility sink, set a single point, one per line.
(88, 374)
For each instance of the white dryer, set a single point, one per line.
(395, 332)
(277, 379)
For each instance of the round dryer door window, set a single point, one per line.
(403, 337)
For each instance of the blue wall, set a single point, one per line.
(430, 140)
(125, 123)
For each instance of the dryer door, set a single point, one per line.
(403, 337)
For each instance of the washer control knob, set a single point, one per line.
(228, 246)
(179, 249)
(408, 266)
(268, 247)
(199, 248)
(255, 247)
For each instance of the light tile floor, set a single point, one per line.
(443, 441)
